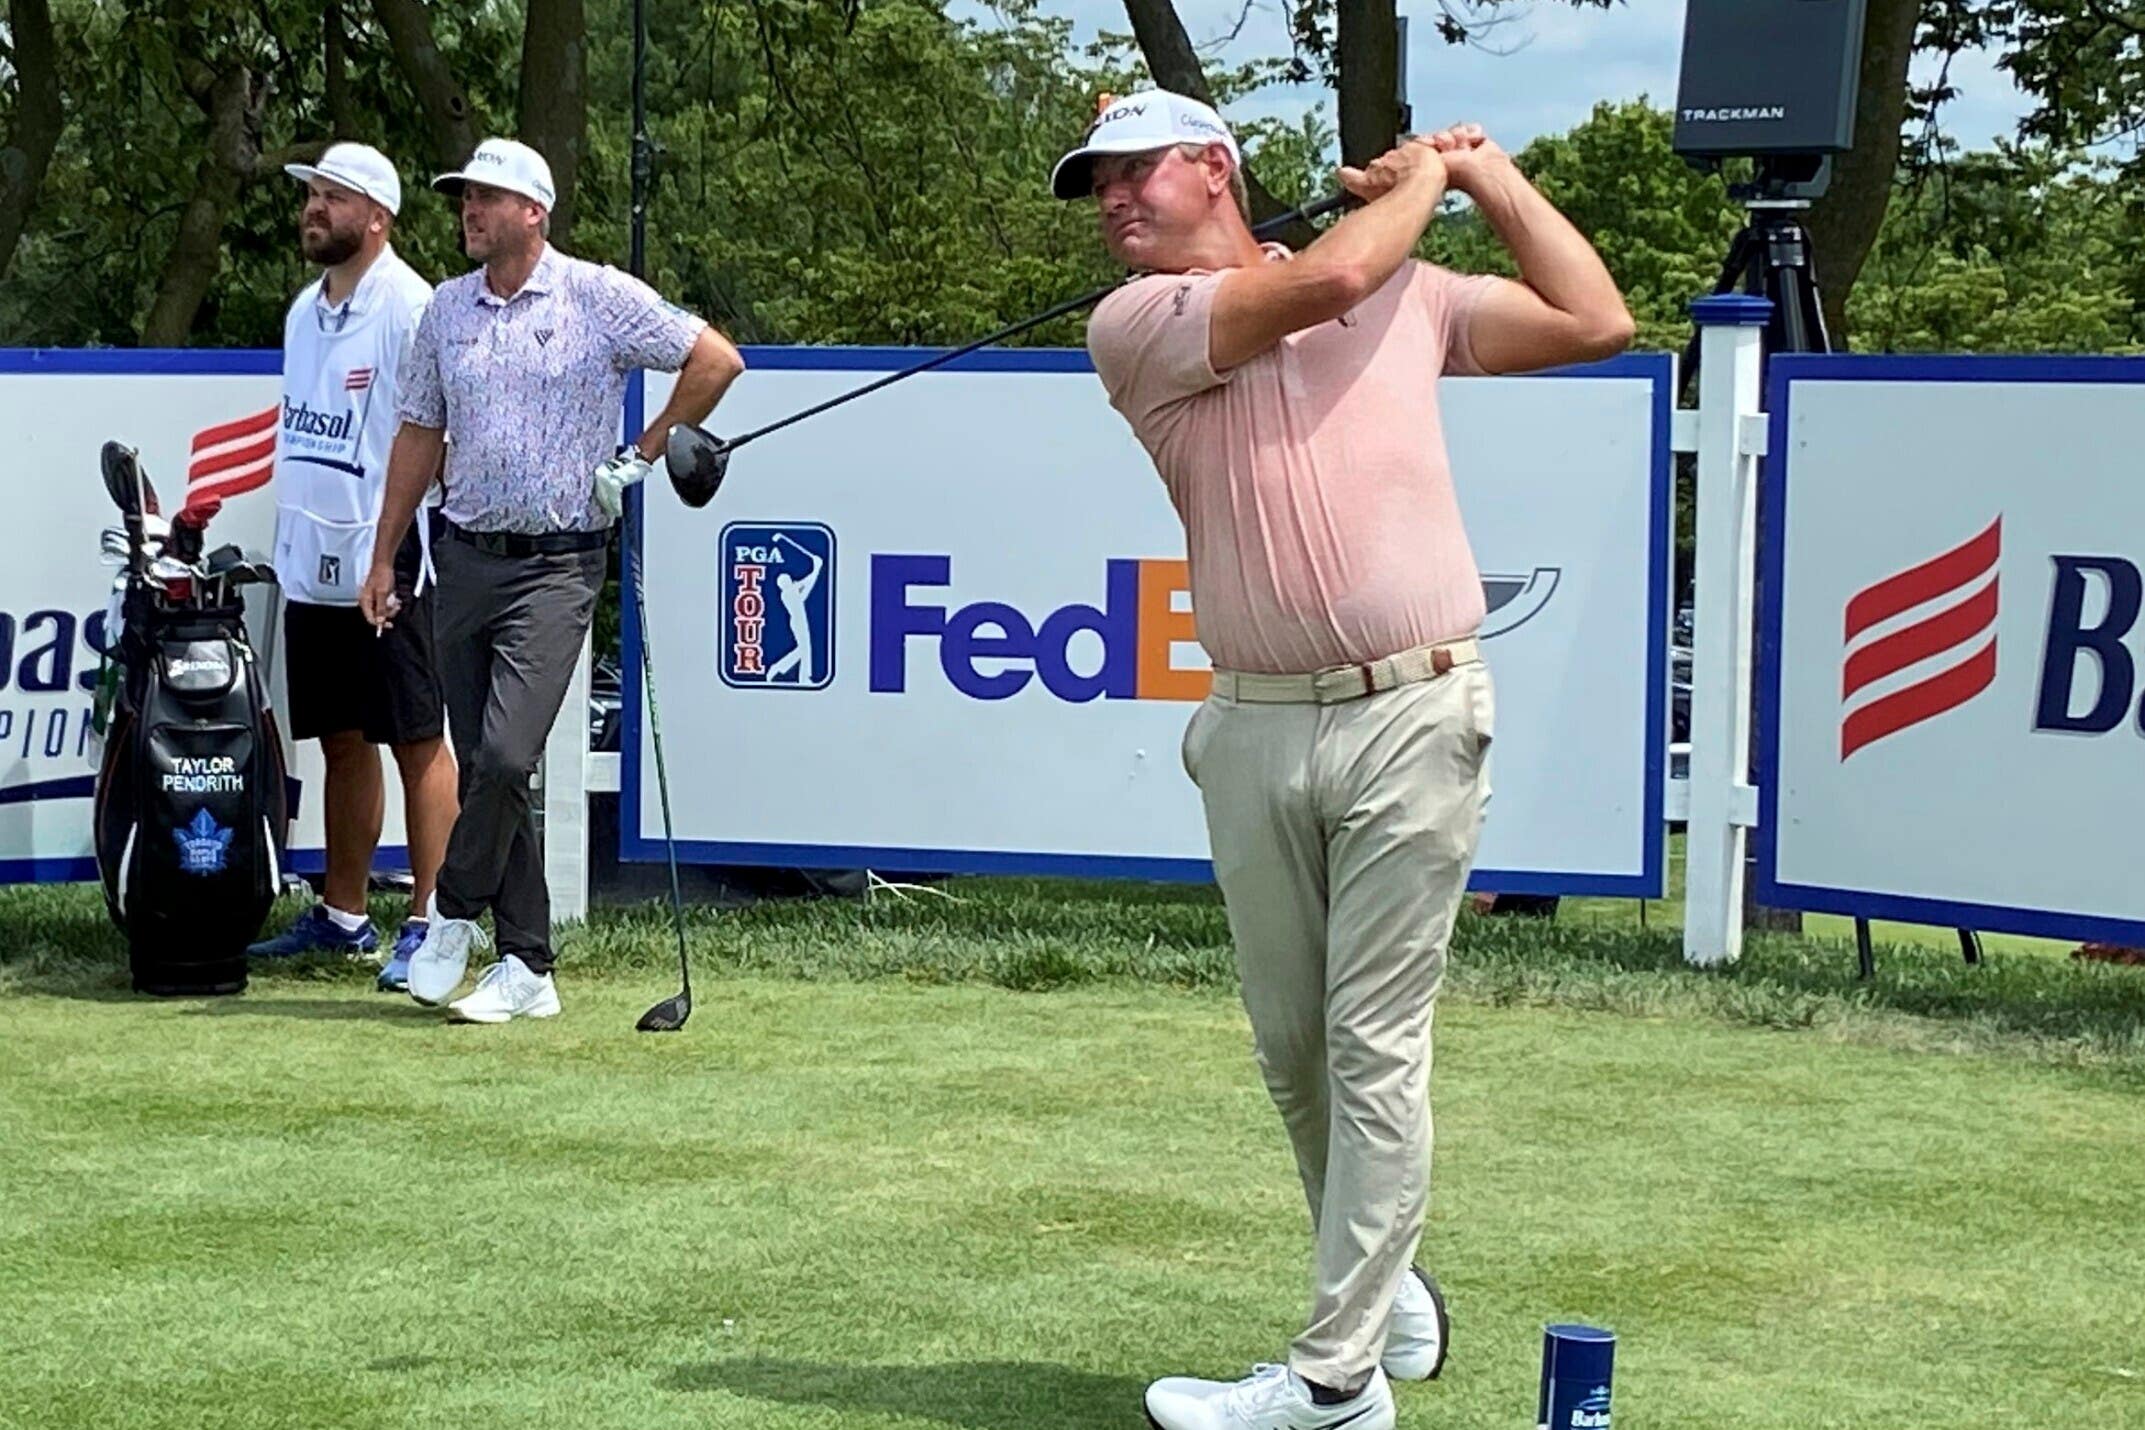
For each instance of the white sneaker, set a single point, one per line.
(1271, 1398)
(437, 966)
(1420, 1331)
(509, 990)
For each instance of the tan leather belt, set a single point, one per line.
(1347, 682)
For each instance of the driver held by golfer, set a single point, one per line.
(1289, 403)
(518, 374)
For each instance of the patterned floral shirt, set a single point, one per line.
(531, 389)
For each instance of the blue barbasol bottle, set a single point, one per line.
(1577, 1362)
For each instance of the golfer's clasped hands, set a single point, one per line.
(1448, 158)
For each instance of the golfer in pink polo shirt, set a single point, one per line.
(1290, 405)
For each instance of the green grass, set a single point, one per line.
(994, 1163)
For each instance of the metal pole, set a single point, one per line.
(636, 262)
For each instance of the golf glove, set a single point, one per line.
(614, 476)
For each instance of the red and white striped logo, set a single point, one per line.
(232, 458)
(357, 379)
(1939, 622)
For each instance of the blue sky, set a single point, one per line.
(1562, 61)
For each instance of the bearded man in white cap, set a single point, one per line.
(1289, 402)
(344, 341)
(518, 376)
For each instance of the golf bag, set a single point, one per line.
(190, 807)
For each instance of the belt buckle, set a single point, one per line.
(1440, 660)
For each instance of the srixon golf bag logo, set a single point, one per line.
(1940, 614)
(991, 650)
(776, 624)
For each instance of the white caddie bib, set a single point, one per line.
(340, 367)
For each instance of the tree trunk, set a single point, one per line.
(446, 107)
(1844, 223)
(38, 119)
(1367, 52)
(554, 97)
(233, 102)
(335, 67)
(1175, 66)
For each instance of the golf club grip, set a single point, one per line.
(1057, 310)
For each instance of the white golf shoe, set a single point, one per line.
(509, 989)
(1272, 1397)
(1420, 1329)
(437, 966)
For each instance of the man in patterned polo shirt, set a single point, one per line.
(523, 365)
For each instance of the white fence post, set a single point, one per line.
(1731, 439)
(565, 776)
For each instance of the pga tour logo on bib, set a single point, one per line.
(777, 613)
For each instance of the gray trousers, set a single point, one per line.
(1343, 835)
(510, 631)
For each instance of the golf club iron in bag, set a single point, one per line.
(190, 808)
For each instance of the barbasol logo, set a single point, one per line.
(302, 421)
(776, 624)
(1935, 623)
(1121, 648)
(1923, 642)
(1592, 1413)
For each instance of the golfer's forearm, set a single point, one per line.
(1368, 246)
(708, 372)
(412, 463)
(1554, 258)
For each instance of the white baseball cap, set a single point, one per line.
(1134, 124)
(356, 166)
(504, 164)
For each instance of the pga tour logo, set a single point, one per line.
(776, 620)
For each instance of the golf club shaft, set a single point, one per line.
(1306, 213)
(662, 774)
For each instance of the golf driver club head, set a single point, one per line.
(118, 461)
(698, 460)
(667, 1016)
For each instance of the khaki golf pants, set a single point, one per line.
(1342, 835)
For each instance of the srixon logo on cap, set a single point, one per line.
(1111, 116)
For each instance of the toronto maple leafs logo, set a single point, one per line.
(204, 845)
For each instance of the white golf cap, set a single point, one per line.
(1134, 124)
(356, 166)
(504, 164)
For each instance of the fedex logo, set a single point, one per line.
(990, 650)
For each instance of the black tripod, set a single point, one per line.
(1772, 257)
